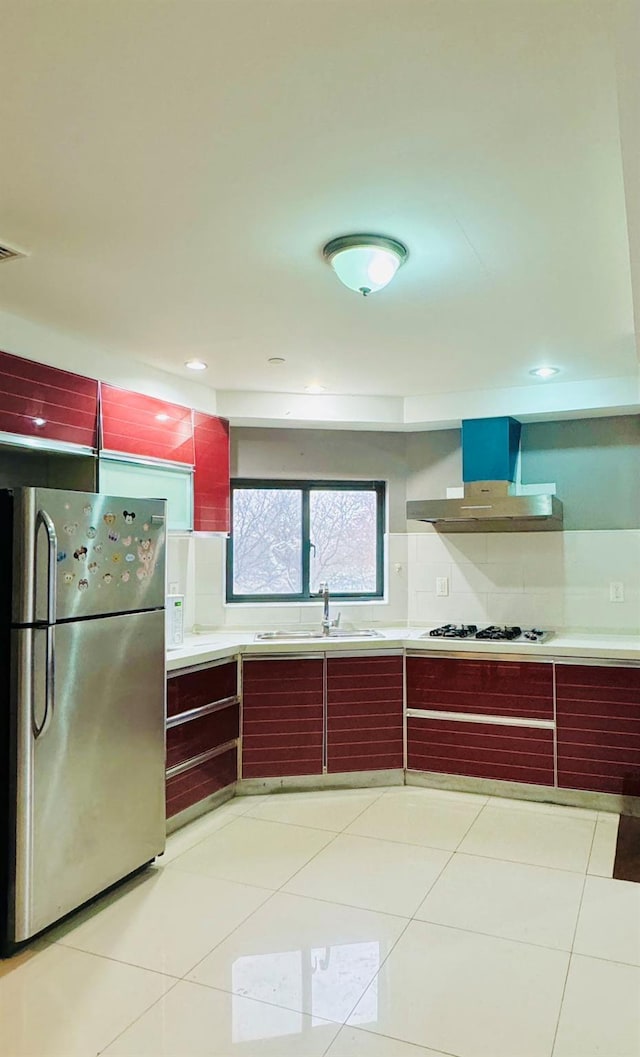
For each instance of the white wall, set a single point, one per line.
(547, 579)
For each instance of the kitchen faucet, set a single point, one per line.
(327, 623)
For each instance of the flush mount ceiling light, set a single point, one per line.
(544, 372)
(276, 361)
(162, 417)
(314, 388)
(365, 263)
(195, 365)
(39, 421)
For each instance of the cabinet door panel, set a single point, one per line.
(598, 717)
(282, 717)
(364, 713)
(481, 750)
(142, 425)
(211, 482)
(512, 689)
(29, 391)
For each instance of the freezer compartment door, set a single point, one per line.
(90, 763)
(77, 554)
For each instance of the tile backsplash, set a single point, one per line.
(548, 579)
(554, 580)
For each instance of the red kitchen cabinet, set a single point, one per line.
(45, 402)
(505, 690)
(522, 689)
(598, 728)
(481, 750)
(203, 728)
(135, 424)
(364, 713)
(282, 717)
(211, 480)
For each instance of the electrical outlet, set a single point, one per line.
(173, 589)
(616, 591)
(442, 586)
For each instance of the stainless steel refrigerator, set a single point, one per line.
(82, 711)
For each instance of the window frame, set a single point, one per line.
(307, 486)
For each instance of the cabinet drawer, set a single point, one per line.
(196, 689)
(481, 750)
(513, 689)
(188, 788)
(190, 739)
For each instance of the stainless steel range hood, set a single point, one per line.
(490, 503)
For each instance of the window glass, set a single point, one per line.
(342, 532)
(267, 541)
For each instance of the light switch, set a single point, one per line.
(442, 586)
(616, 591)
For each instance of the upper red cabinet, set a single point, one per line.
(135, 424)
(45, 402)
(211, 482)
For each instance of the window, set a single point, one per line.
(289, 536)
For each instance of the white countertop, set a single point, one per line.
(216, 645)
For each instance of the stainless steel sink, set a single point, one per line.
(334, 633)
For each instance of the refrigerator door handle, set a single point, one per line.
(49, 692)
(42, 518)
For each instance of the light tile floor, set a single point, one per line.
(404, 922)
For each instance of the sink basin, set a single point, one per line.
(334, 633)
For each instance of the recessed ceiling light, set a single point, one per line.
(315, 388)
(162, 417)
(195, 365)
(276, 361)
(544, 372)
(39, 421)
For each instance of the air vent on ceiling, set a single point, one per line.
(9, 254)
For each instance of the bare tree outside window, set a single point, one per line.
(289, 536)
(343, 536)
(267, 541)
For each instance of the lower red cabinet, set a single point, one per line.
(282, 717)
(364, 713)
(481, 750)
(203, 727)
(598, 721)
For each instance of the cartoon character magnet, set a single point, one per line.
(86, 510)
(71, 527)
(82, 585)
(129, 557)
(107, 578)
(91, 532)
(125, 577)
(109, 519)
(141, 572)
(93, 567)
(81, 554)
(69, 578)
(126, 541)
(61, 555)
(114, 537)
(128, 516)
(117, 557)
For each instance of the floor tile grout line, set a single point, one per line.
(492, 936)
(573, 939)
(521, 862)
(392, 1038)
(139, 1017)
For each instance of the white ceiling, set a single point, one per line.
(174, 167)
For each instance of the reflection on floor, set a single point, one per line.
(376, 923)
